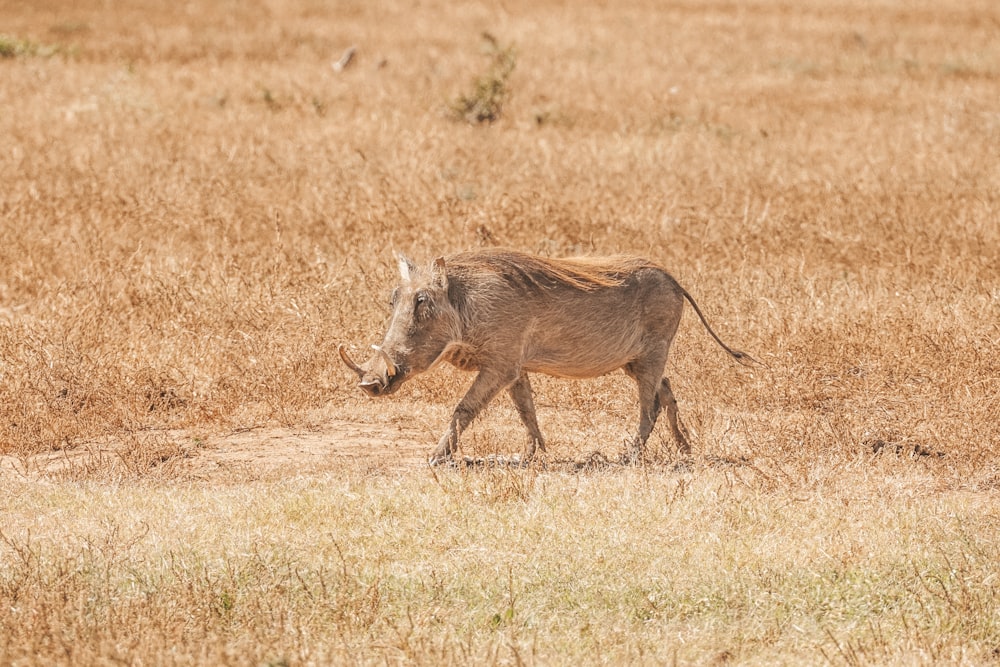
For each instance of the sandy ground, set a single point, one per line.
(237, 456)
(276, 452)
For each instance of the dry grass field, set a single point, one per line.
(197, 207)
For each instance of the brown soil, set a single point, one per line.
(245, 454)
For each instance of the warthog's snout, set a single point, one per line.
(378, 386)
(372, 387)
(374, 383)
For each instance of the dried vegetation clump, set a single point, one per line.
(491, 90)
(197, 207)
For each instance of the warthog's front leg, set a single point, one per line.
(520, 393)
(484, 388)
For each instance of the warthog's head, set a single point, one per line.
(423, 323)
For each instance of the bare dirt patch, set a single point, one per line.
(256, 453)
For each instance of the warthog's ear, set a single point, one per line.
(406, 267)
(439, 277)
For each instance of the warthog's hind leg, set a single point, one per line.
(655, 394)
(646, 374)
(520, 393)
(650, 404)
(665, 397)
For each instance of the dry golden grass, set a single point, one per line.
(501, 567)
(196, 208)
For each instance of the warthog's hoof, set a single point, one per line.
(441, 460)
(632, 457)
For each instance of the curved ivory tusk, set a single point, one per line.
(390, 368)
(350, 362)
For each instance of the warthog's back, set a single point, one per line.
(564, 317)
(532, 274)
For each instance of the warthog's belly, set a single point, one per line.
(578, 368)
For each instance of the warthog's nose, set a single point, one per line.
(372, 387)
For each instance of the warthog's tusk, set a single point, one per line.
(390, 368)
(350, 362)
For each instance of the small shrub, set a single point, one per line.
(491, 90)
(12, 47)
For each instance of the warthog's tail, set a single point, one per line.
(738, 355)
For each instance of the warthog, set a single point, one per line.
(505, 314)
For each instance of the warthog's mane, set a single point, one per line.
(583, 273)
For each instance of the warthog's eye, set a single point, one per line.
(392, 297)
(421, 302)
